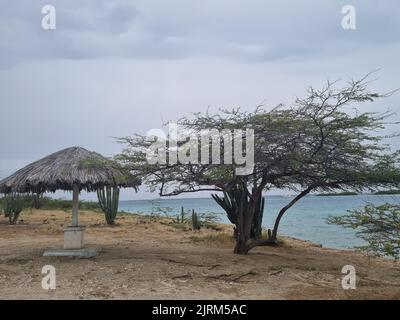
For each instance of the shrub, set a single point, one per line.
(379, 226)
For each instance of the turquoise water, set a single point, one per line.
(305, 220)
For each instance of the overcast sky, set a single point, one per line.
(113, 68)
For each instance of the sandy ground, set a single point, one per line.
(145, 258)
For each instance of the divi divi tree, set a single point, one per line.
(323, 142)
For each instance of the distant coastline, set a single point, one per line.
(378, 193)
(337, 194)
(387, 192)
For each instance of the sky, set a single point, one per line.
(114, 68)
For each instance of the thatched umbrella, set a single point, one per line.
(72, 169)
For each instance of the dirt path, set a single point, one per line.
(144, 259)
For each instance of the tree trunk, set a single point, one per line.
(241, 246)
(245, 211)
(274, 236)
(245, 224)
(256, 229)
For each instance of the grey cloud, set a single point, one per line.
(113, 68)
(255, 30)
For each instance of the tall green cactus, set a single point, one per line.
(108, 200)
(37, 200)
(183, 215)
(196, 224)
(13, 205)
(181, 218)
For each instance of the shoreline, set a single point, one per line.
(145, 258)
(226, 226)
(306, 220)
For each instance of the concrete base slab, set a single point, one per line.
(80, 253)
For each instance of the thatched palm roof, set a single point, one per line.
(64, 169)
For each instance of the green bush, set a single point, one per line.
(53, 204)
(195, 220)
(59, 204)
(378, 226)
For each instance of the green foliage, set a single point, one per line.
(379, 226)
(12, 206)
(229, 203)
(47, 203)
(60, 204)
(108, 200)
(157, 210)
(209, 220)
(317, 144)
(195, 221)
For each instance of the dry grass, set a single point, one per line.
(221, 239)
(147, 257)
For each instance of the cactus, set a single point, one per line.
(37, 200)
(182, 215)
(231, 201)
(180, 218)
(108, 200)
(13, 205)
(196, 224)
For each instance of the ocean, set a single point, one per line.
(305, 220)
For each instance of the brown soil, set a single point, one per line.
(145, 258)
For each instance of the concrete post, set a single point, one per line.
(75, 205)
